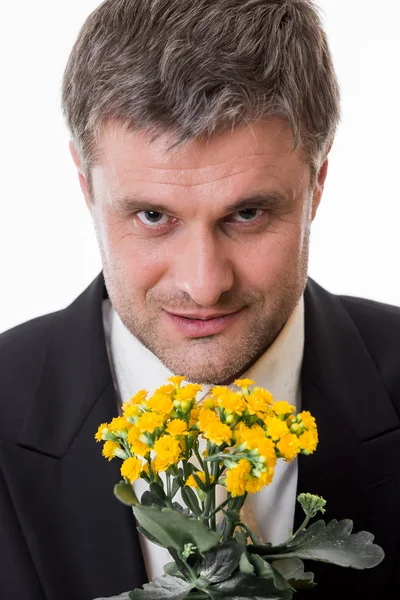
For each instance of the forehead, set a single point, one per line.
(262, 150)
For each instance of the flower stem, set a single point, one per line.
(219, 508)
(302, 526)
(198, 456)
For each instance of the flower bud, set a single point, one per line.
(311, 504)
(121, 454)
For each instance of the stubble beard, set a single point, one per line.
(215, 359)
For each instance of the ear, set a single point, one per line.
(81, 174)
(319, 187)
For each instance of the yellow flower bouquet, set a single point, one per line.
(232, 439)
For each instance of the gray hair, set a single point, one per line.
(199, 68)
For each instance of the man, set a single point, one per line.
(201, 135)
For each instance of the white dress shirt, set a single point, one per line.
(134, 368)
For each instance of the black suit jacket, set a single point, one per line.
(63, 535)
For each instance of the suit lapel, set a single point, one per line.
(356, 420)
(82, 540)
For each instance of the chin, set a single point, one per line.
(205, 370)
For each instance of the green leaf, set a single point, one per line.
(241, 537)
(261, 567)
(181, 509)
(190, 499)
(172, 569)
(147, 535)
(333, 543)
(265, 570)
(149, 499)
(220, 562)
(240, 587)
(163, 588)
(292, 570)
(175, 486)
(199, 482)
(245, 565)
(172, 529)
(125, 494)
(157, 490)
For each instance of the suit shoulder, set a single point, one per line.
(22, 353)
(369, 315)
(26, 336)
(379, 327)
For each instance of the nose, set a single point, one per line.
(202, 268)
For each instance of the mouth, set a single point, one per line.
(203, 324)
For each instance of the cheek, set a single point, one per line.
(273, 258)
(139, 263)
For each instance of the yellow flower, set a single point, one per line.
(255, 484)
(255, 439)
(140, 448)
(259, 401)
(194, 416)
(243, 383)
(219, 390)
(289, 446)
(191, 482)
(133, 434)
(264, 394)
(99, 435)
(119, 424)
(130, 410)
(251, 436)
(109, 449)
(206, 416)
(176, 380)
(131, 469)
(232, 402)
(160, 403)
(209, 402)
(169, 389)
(218, 433)
(139, 397)
(266, 449)
(177, 427)
(276, 428)
(135, 443)
(146, 469)
(309, 441)
(308, 420)
(282, 408)
(237, 478)
(168, 452)
(238, 433)
(188, 392)
(149, 421)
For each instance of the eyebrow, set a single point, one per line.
(261, 200)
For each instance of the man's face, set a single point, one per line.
(205, 246)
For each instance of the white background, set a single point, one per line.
(48, 252)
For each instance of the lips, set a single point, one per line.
(202, 316)
(203, 325)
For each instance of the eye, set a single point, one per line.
(248, 215)
(152, 218)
